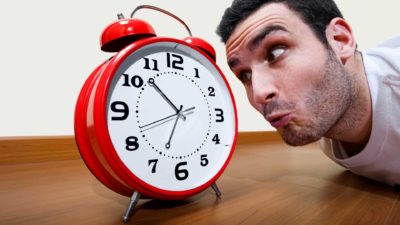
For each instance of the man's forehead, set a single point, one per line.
(270, 14)
(268, 9)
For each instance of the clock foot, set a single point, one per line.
(132, 203)
(216, 189)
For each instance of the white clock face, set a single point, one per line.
(170, 116)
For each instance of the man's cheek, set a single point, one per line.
(250, 98)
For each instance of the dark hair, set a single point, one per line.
(316, 13)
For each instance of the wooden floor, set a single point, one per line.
(264, 184)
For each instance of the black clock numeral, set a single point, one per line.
(132, 143)
(135, 81)
(154, 162)
(211, 91)
(120, 107)
(196, 73)
(178, 60)
(147, 65)
(220, 115)
(204, 160)
(181, 174)
(216, 139)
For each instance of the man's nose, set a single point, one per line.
(264, 85)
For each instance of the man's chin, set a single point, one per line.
(297, 138)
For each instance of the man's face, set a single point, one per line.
(290, 77)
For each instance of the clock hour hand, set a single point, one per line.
(154, 85)
(166, 119)
(168, 144)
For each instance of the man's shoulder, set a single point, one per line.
(383, 61)
(386, 52)
(391, 43)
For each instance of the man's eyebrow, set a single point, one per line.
(256, 40)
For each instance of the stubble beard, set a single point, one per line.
(327, 103)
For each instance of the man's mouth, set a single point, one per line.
(278, 120)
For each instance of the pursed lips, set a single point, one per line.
(278, 113)
(278, 119)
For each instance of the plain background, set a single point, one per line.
(49, 48)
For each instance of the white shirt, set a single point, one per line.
(380, 159)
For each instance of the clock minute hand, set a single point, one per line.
(166, 118)
(153, 84)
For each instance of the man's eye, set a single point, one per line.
(245, 77)
(274, 52)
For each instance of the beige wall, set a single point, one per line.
(48, 48)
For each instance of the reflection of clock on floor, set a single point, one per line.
(158, 119)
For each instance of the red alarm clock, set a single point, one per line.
(158, 119)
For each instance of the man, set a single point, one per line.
(301, 70)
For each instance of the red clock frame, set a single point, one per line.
(91, 129)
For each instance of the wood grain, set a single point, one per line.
(265, 183)
(15, 150)
(248, 137)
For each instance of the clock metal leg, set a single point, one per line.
(132, 203)
(216, 189)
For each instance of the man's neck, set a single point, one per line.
(354, 128)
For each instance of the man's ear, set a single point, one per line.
(340, 38)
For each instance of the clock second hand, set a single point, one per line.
(167, 117)
(168, 144)
(153, 84)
